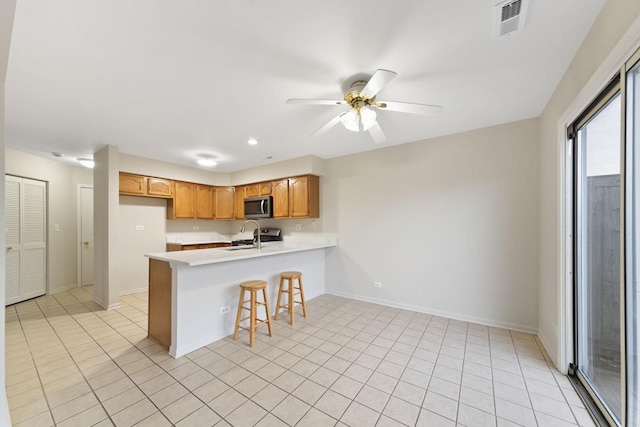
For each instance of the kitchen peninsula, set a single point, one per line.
(193, 295)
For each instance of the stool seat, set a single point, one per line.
(253, 287)
(291, 274)
(292, 290)
(258, 284)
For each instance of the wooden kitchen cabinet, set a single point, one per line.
(183, 204)
(159, 187)
(265, 188)
(224, 203)
(239, 202)
(132, 184)
(204, 202)
(252, 190)
(304, 197)
(280, 191)
(138, 185)
(173, 247)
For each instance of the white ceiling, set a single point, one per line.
(172, 80)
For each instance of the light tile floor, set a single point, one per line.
(350, 363)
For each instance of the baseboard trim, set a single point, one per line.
(66, 288)
(552, 355)
(434, 312)
(133, 291)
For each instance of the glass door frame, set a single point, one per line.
(612, 89)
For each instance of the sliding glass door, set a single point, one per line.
(597, 292)
(606, 218)
(632, 289)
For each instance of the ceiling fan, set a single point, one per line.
(362, 101)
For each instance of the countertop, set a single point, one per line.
(200, 242)
(233, 253)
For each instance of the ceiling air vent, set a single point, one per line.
(510, 16)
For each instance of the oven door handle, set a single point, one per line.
(263, 206)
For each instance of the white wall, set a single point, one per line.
(449, 225)
(286, 168)
(62, 210)
(150, 167)
(608, 29)
(151, 214)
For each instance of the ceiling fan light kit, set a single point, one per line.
(361, 98)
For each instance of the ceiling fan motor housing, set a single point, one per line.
(353, 97)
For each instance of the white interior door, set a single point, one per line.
(86, 235)
(25, 234)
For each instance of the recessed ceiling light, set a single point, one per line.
(207, 161)
(87, 163)
(252, 141)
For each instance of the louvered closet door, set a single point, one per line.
(25, 214)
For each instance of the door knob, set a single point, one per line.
(9, 248)
(86, 242)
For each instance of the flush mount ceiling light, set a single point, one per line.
(87, 163)
(207, 161)
(252, 141)
(362, 100)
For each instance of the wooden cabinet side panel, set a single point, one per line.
(159, 187)
(131, 184)
(280, 198)
(204, 201)
(224, 203)
(314, 196)
(159, 319)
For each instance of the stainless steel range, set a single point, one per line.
(267, 234)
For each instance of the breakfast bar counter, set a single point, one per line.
(193, 295)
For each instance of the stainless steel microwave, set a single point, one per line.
(258, 207)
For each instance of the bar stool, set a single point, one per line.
(252, 286)
(291, 289)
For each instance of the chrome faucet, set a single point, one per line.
(258, 244)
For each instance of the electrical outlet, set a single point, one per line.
(313, 224)
(377, 284)
(196, 227)
(224, 309)
(139, 227)
(298, 227)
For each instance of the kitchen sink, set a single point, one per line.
(238, 248)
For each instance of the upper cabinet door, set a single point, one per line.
(159, 187)
(132, 184)
(204, 201)
(252, 190)
(224, 202)
(280, 198)
(265, 188)
(184, 200)
(304, 197)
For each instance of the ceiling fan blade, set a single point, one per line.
(376, 133)
(377, 82)
(329, 125)
(316, 101)
(407, 107)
